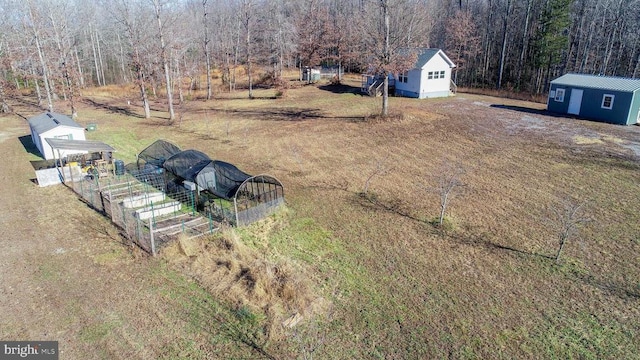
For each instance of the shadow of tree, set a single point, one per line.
(112, 108)
(341, 89)
(279, 114)
(541, 112)
(610, 286)
(372, 202)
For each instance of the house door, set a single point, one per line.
(575, 101)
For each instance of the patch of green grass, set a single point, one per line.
(236, 331)
(182, 349)
(94, 333)
(584, 336)
(109, 257)
(126, 142)
(50, 270)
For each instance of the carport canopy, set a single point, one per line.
(76, 145)
(79, 145)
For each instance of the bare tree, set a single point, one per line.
(32, 24)
(568, 219)
(206, 41)
(447, 183)
(389, 50)
(381, 169)
(247, 22)
(4, 62)
(133, 26)
(62, 36)
(462, 40)
(157, 7)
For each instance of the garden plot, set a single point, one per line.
(149, 217)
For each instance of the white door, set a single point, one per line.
(575, 101)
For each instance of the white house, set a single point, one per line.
(56, 126)
(430, 77)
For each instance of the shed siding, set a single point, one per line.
(591, 106)
(435, 87)
(634, 111)
(45, 149)
(412, 87)
(419, 85)
(51, 125)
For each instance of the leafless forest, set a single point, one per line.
(58, 47)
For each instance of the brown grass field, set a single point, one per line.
(366, 276)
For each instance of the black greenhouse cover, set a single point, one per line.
(187, 164)
(218, 177)
(156, 153)
(221, 178)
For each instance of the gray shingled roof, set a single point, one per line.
(598, 82)
(425, 54)
(47, 121)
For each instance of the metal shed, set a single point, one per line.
(53, 126)
(608, 99)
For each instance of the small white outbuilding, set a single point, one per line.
(53, 126)
(430, 76)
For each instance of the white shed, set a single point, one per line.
(53, 126)
(430, 77)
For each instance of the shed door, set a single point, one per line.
(575, 101)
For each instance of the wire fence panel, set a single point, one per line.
(139, 205)
(153, 208)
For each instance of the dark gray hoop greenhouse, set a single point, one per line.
(221, 189)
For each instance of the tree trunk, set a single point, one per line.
(45, 76)
(4, 106)
(80, 74)
(37, 85)
(207, 56)
(247, 25)
(100, 58)
(503, 51)
(386, 58)
(165, 63)
(143, 92)
(525, 42)
(95, 56)
(123, 68)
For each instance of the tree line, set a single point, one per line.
(58, 47)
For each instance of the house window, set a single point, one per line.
(441, 74)
(403, 77)
(559, 95)
(430, 75)
(607, 101)
(64, 137)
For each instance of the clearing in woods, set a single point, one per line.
(362, 276)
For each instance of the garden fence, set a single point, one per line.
(142, 207)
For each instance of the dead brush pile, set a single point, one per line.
(245, 279)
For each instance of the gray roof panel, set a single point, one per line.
(598, 82)
(426, 54)
(79, 145)
(47, 121)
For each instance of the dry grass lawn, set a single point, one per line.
(392, 285)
